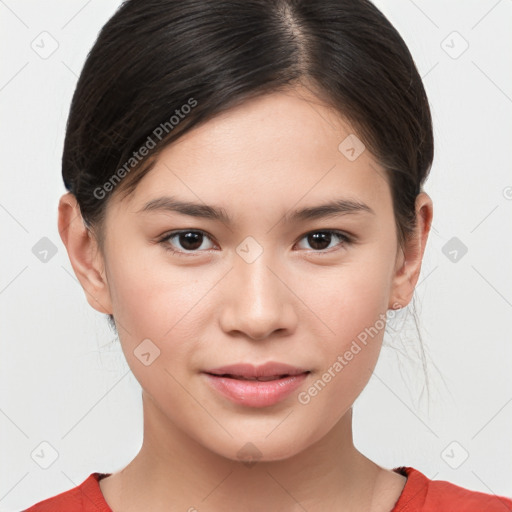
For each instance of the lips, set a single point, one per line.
(265, 372)
(261, 386)
(256, 386)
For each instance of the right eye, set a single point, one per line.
(190, 241)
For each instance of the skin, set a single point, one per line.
(297, 303)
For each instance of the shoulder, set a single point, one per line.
(86, 497)
(425, 495)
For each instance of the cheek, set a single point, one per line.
(168, 304)
(351, 297)
(348, 358)
(352, 307)
(152, 296)
(157, 309)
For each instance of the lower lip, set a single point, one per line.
(254, 393)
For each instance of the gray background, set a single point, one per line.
(69, 404)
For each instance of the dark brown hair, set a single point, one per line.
(161, 67)
(155, 57)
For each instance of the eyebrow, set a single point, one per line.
(331, 209)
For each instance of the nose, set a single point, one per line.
(257, 300)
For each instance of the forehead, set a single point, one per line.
(282, 146)
(285, 125)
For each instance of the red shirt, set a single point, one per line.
(418, 495)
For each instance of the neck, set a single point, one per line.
(172, 468)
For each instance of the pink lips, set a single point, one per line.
(256, 386)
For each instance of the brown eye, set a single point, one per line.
(191, 240)
(321, 240)
(185, 241)
(318, 241)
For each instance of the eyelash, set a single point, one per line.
(345, 240)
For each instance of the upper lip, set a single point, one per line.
(247, 370)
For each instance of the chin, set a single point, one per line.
(261, 447)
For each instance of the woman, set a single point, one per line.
(246, 204)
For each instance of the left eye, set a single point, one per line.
(192, 241)
(319, 239)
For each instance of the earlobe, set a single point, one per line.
(84, 254)
(409, 258)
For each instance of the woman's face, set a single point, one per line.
(261, 285)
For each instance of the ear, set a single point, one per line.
(84, 254)
(409, 258)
